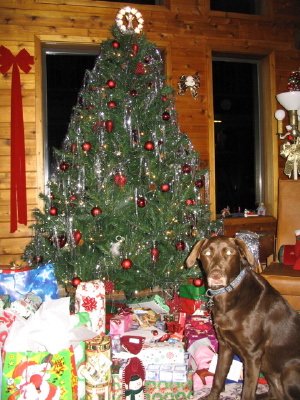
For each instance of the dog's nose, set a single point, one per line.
(215, 274)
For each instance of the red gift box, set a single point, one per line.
(189, 306)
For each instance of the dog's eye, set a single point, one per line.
(207, 253)
(229, 252)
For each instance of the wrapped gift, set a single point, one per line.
(18, 282)
(166, 373)
(190, 291)
(6, 320)
(158, 389)
(4, 301)
(78, 320)
(198, 327)
(162, 353)
(189, 306)
(39, 375)
(90, 297)
(27, 305)
(155, 303)
(120, 324)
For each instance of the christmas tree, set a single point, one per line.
(128, 199)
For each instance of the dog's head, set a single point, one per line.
(222, 259)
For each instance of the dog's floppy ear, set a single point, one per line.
(194, 254)
(248, 255)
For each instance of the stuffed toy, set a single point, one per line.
(290, 254)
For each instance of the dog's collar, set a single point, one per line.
(211, 293)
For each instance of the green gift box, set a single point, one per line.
(192, 292)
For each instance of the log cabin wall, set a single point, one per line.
(188, 30)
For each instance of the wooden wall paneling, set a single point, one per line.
(189, 30)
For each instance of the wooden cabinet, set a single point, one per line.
(264, 226)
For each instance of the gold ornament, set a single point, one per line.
(291, 151)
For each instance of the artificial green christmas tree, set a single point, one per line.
(128, 199)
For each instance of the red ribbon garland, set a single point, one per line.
(18, 198)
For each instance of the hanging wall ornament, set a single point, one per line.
(191, 82)
(18, 197)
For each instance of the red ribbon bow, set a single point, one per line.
(18, 200)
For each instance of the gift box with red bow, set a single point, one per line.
(120, 323)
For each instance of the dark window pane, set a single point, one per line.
(235, 88)
(238, 6)
(148, 2)
(65, 74)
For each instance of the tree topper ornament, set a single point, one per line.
(191, 82)
(129, 20)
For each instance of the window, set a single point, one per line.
(238, 140)
(63, 74)
(237, 6)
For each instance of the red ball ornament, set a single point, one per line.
(154, 254)
(73, 197)
(149, 145)
(64, 166)
(111, 104)
(164, 98)
(86, 146)
(77, 235)
(199, 183)
(73, 148)
(140, 69)
(141, 202)
(61, 241)
(135, 49)
(186, 168)
(133, 93)
(76, 281)
(97, 125)
(115, 44)
(197, 282)
(180, 245)
(95, 211)
(109, 125)
(109, 287)
(53, 211)
(126, 263)
(37, 259)
(165, 187)
(190, 202)
(120, 179)
(166, 116)
(111, 84)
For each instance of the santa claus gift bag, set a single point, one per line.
(40, 375)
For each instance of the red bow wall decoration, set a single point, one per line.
(18, 198)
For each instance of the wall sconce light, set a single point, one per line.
(191, 82)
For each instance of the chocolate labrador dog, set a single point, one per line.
(251, 320)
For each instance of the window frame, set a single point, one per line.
(267, 122)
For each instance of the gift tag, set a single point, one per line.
(235, 370)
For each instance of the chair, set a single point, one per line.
(283, 277)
